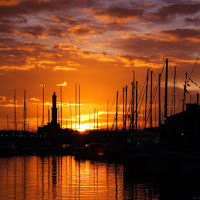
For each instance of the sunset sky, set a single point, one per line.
(96, 44)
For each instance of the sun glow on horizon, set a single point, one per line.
(84, 127)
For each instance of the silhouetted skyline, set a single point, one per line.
(96, 44)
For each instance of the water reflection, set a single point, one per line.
(62, 177)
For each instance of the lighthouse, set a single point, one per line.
(54, 109)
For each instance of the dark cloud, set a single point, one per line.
(142, 5)
(148, 46)
(164, 13)
(59, 32)
(183, 33)
(65, 20)
(32, 6)
(80, 30)
(195, 21)
(119, 13)
(6, 28)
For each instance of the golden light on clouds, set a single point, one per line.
(96, 44)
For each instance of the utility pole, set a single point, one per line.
(174, 90)
(79, 107)
(166, 87)
(136, 106)
(107, 113)
(132, 105)
(151, 100)
(159, 101)
(116, 111)
(15, 117)
(145, 114)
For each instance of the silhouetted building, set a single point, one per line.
(53, 127)
(186, 123)
(54, 110)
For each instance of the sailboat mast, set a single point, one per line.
(151, 100)
(79, 107)
(136, 105)
(61, 104)
(116, 112)
(123, 112)
(159, 101)
(145, 113)
(15, 115)
(107, 113)
(132, 105)
(166, 88)
(43, 105)
(24, 110)
(174, 90)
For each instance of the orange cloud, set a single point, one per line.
(62, 84)
(64, 20)
(81, 30)
(64, 68)
(9, 2)
(34, 99)
(13, 68)
(118, 14)
(2, 99)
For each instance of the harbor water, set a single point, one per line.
(63, 177)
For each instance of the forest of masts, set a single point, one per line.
(137, 112)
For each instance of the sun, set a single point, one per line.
(84, 127)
